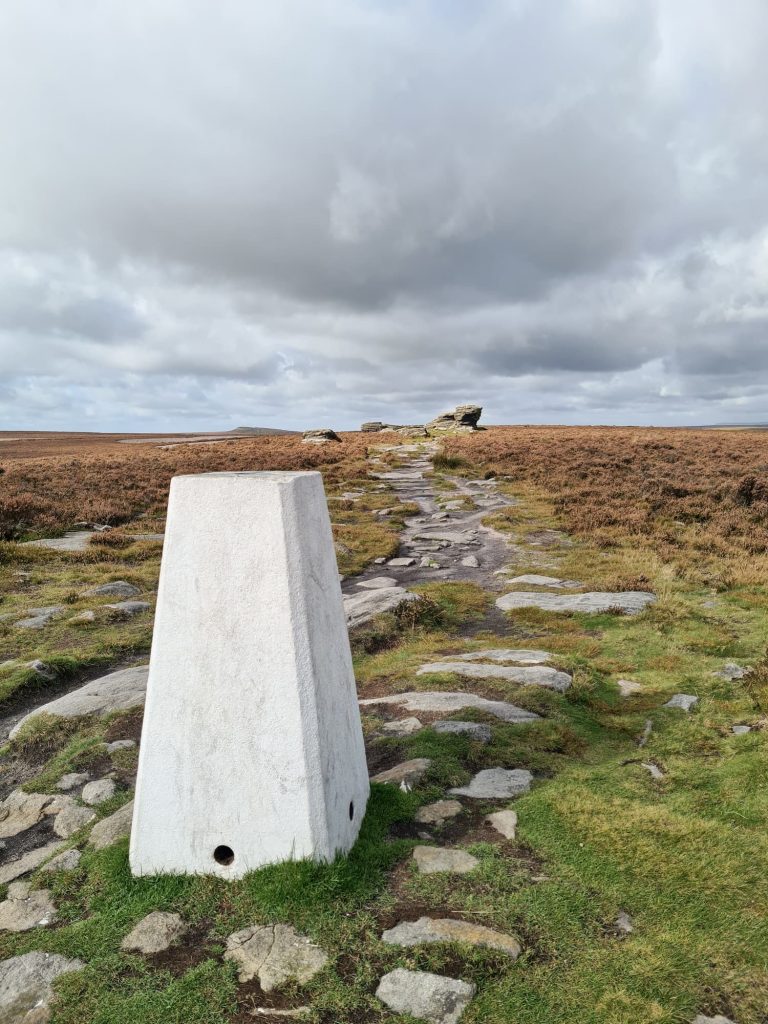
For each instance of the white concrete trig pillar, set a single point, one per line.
(252, 749)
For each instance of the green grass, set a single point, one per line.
(686, 857)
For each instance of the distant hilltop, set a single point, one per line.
(260, 430)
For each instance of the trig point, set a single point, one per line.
(252, 750)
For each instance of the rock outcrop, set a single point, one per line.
(321, 436)
(462, 418)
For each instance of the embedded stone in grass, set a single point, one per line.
(503, 654)
(429, 997)
(653, 770)
(496, 784)
(66, 861)
(26, 985)
(72, 780)
(630, 602)
(120, 745)
(740, 730)
(505, 822)
(444, 702)
(39, 617)
(623, 923)
(432, 859)
(86, 616)
(274, 954)
(683, 701)
(24, 909)
(20, 811)
(28, 862)
(402, 727)
(406, 774)
(116, 691)
(360, 608)
(438, 812)
(117, 589)
(731, 671)
(627, 687)
(535, 580)
(428, 929)
(402, 562)
(127, 609)
(700, 1018)
(525, 675)
(109, 830)
(378, 583)
(154, 933)
(97, 792)
(71, 818)
(475, 730)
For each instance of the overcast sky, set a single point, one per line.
(304, 213)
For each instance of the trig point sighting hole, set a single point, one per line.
(351, 809)
(224, 855)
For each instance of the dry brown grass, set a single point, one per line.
(106, 482)
(699, 498)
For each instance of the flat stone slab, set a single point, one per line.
(20, 811)
(449, 536)
(432, 859)
(447, 702)
(66, 861)
(402, 562)
(442, 929)
(98, 792)
(438, 812)
(429, 997)
(30, 861)
(127, 609)
(378, 583)
(117, 691)
(478, 731)
(630, 602)
(496, 784)
(683, 701)
(505, 654)
(525, 675)
(75, 540)
(37, 618)
(71, 818)
(535, 580)
(407, 774)
(109, 830)
(627, 687)
(505, 823)
(24, 909)
(361, 608)
(741, 730)
(274, 954)
(26, 985)
(402, 727)
(154, 933)
(119, 588)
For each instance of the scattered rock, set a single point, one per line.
(504, 654)
(445, 703)
(39, 617)
(428, 563)
(109, 830)
(623, 923)
(66, 861)
(117, 589)
(72, 780)
(429, 997)
(428, 929)
(505, 822)
(378, 583)
(475, 730)
(23, 909)
(471, 562)
(71, 819)
(360, 608)
(127, 609)
(731, 671)
(741, 730)
(402, 727)
(646, 733)
(684, 701)
(526, 675)
(86, 616)
(379, 561)
(403, 561)
(116, 745)
(630, 602)
(28, 862)
(627, 687)
(26, 985)
(534, 580)
(117, 691)
(496, 784)
(407, 774)
(274, 954)
(438, 812)
(97, 792)
(154, 933)
(20, 811)
(320, 436)
(432, 859)
(653, 770)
